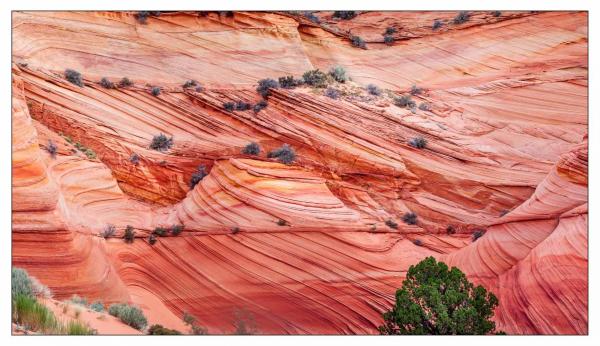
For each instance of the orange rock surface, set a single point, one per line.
(506, 133)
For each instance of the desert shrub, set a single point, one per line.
(155, 91)
(504, 212)
(198, 330)
(373, 89)
(157, 329)
(315, 78)
(161, 142)
(198, 176)
(461, 17)
(125, 82)
(97, 306)
(142, 16)
(107, 84)
(20, 282)
(437, 24)
(27, 312)
(251, 149)
(152, 239)
(242, 106)
(281, 222)
(478, 233)
(229, 106)
(410, 218)
(436, 300)
(390, 30)
(190, 83)
(357, 41)
(415, 90)
(339, 74)
(289, 82)
(418, 242)
(391, 223)
(265, 85)
(284, 154)
(188, 318)
(235, 230)
(424, 106)
(417, 142)
(74, 77)
(199, 88)
(176, 229)
(160, 231)
(129, 314)
(75, 299)
(388, 39)
(312, 17)
(226, 13)
(496, 13)
(332, 93)
(108, 231)
(78, 328)
(135, 159)
(404, 101)
(38, 289)
(260, 105)
(244, 323)
(346, 15)
(129, 234)
(87, 151)
(450, 229)
(51, 148)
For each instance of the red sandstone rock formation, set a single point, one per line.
(507, 151)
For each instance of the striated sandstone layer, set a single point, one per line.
(304, 248)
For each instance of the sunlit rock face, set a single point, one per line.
(306, 247)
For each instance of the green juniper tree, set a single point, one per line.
(435, 300)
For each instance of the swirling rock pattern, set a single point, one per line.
(304, 248)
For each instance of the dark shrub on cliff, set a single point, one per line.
(260, 105)
(391, 224)
(265, 85)
(478, 233)
(357, 41)
(346, 15)
(51, 148)
(388, 39)
(157, 329)
(161, 142)
(129, 315)
(289, 82)
(315, 78)
(242, 106)
(74, 77)
(332, 93)
(129, 234)
(125, 82)
(418, 142)
(437, 24)
(373, 89)
(404, 101)
(461, 17)
(197, 176)
(176, 229)
(284, 154)
(251, 149)
(107, 84)
(410, 218)
(339, 74)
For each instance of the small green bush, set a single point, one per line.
(107, 84)
(176, 229)
(289, 82)
(20, 282)
(198, 176)
(129, 234)
(74, 77)
(161, 142)
(461, 17)
(108, 231)
(410, 218)
(129, 314)
(478, 233)
(346, 15)
(51, 148)
(251, 149)
(284, 154)
(332, 93)
(357, 41)
(339, 74)
(75, 299)
(242, 106)
(27, 312)
(78, 328)
(265, 85)
(157, 329)
(97, 306)
(260, 105)
(388, 39)
(315, 78)
(391, 224)
(160, 231)
(125, 82)
(418, 142)
(373, 89)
